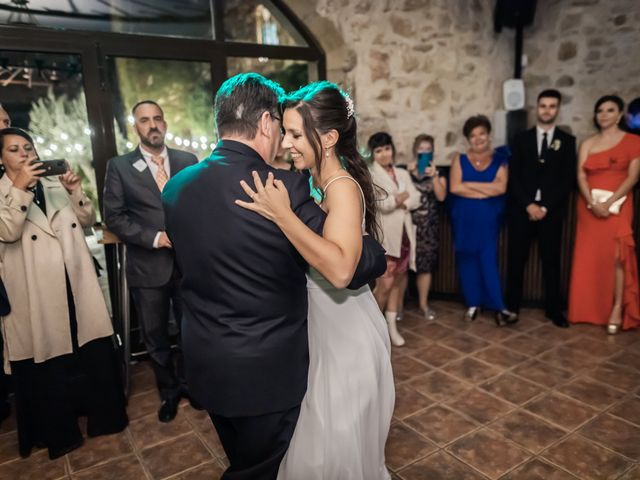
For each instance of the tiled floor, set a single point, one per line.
(473, 402)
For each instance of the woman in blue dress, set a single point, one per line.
(478, 185)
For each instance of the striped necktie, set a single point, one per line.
(161, 176)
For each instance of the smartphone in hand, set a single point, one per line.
(424, 161)
(52, 167)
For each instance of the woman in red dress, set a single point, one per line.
(604, 277)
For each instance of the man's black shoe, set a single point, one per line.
(559, 320)
(168, 410)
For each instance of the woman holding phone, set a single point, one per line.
(433, 189)
(58, 336)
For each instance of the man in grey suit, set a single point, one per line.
(133, 211)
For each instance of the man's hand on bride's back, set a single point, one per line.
(270, 200)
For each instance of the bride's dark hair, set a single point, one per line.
(324, 107)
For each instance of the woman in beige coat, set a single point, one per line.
(397, 197)
(57, 337)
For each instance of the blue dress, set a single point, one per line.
(476, 226)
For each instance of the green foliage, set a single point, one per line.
(182, 89)
(60, 129)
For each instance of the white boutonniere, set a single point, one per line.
(555, 145)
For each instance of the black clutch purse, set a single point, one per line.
(372, 264)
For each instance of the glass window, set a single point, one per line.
(291, 74)
(180, 18)
(43, 93)
(183, 90)
(260, 22)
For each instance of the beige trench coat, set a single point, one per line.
(391, 218)
(34, 250)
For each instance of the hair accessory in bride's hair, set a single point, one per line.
(349, 102)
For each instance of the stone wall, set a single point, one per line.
(586, 49)
(417, 66)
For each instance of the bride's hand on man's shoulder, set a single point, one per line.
(271, 200)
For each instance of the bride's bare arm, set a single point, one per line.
(335, 254)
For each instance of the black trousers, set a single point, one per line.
(548, 232)
(51, 395)
(255, 446)
(4, 385)
(153, 310)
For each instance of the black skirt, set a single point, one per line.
(51, 395)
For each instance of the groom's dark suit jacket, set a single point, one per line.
(244, 289)
(244, 329)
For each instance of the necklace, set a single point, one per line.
(479, 162)
(333, 174)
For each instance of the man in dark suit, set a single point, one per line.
(244, 285)
(542, 173)
(133, 211)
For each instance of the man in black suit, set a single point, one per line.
(133, 211)
(542, 173)
(244, 286)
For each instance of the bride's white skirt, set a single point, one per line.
(345, 415)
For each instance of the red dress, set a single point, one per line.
(600, 241)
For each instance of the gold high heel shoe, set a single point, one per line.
(613, 328)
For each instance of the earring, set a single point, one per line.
(326, 154)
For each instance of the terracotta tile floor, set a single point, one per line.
(473, 402)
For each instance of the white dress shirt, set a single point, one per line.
(539, 132)
(153, 168)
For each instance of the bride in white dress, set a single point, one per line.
(345, 415)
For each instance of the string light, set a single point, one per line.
(64, 136)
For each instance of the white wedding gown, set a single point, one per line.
(346, 412)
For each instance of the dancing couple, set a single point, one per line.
(284, 344)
